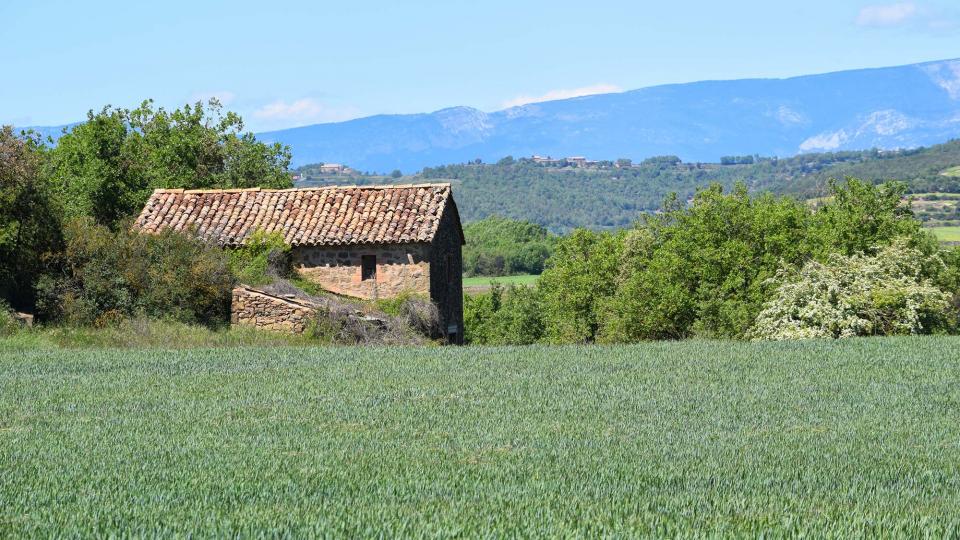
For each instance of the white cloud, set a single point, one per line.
(887, 14)
(562, 94)
(282, 113)
(225, 97)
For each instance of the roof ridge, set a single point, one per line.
(310, 188)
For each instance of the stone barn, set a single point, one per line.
(362, 241)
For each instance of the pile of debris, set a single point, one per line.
(283, 306)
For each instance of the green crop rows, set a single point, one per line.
(858, 437)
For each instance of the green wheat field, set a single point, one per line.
(847, 438)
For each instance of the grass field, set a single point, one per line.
(952, 171)
(947, 234)
(842, 439)
(483, 282)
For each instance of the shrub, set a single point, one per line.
(418, 313)
(103, 277)
(8, 325)
(421, 316)
(262, 257)
(341, 323)
(511, 316)
(856, 295)
(705, 268)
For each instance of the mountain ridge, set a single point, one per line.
(888, 108)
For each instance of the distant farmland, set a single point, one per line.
(483, 283)
(949, 235)
(850, 438)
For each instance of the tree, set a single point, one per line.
(29, 218)
(861, 217)
(396, 173)
(107, 167)
(499, 246)
(703, 269)
(580, 278)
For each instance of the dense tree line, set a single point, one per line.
(501, 247)
(65, 211)
(711, 268)
(562, 199)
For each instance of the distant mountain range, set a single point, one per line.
(886, 108)
(53, 132)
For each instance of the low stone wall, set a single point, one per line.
(252, 307)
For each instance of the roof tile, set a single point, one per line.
(312, 216)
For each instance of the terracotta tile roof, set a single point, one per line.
(312, 216)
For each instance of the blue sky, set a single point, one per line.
(283, 64)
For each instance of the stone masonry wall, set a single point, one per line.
(400, 267)
(255, 308)
(446, 278)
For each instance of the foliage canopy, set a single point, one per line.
(107, 167)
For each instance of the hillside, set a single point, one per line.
(561, 198)
(896, 107)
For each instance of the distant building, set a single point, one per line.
(545, 160)
(573, 161)
(332, 168)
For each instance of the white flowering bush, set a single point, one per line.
(859, 295)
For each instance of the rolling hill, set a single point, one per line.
(607, 197)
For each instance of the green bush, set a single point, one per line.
(103, 277)
(857, 295)
(503, 316)
(261, 258)
(8, 325)
(706, 268)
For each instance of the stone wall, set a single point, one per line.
(446, 277)
(400, 267)
(258, 309)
